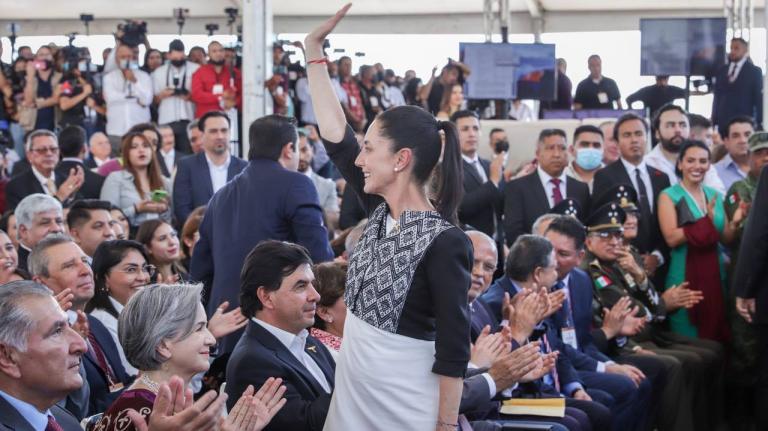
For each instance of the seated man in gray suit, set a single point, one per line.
(326, 189)
(40, 358)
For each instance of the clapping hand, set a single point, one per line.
(253, 412)
(224, 323)
(64, 298)
(681, 297)
(487, 348)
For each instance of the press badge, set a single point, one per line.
(353, 102)
(218, 89)
(569, 337)
(602, 97)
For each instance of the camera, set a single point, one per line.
(134, 32)
(501, 147)
(178, 91)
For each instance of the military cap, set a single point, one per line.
(569, 207)
(609, 217)
(758, 141)
(623, 194)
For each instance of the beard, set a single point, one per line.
(672, 145)
(303, 166)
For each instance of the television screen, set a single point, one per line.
(509, 70)
(682, 46)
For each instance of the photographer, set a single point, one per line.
(41, 93)
(74, 90)
(172, 83)
(128, 93)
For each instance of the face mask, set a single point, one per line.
(589, 158)
(128, 64)
(178, 63)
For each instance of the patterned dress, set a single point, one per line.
(116, 417)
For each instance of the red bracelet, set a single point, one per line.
(323, 60)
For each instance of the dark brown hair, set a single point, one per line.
(153, 170)
(330, 281)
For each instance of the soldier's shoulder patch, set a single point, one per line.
(603, 282)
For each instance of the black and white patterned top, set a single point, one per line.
(413, 282)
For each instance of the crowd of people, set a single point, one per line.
(363, 267)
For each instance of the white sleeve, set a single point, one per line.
(143, 88)
(114, 89)
(712, 179)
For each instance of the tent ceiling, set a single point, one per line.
(367, 16)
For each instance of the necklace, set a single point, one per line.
(146, 381)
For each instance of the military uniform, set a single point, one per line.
(700, 360)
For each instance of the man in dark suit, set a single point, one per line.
(531, 266)
(201, 175)
(167, 155)
(631, 133)
(268, 200)
(527, 198)
(99, 150)
(37, 368)
(37, 216)
(482, 202)
(72, 149)
(42, 150)
(738, 88)
(276, 294)
(751, 285)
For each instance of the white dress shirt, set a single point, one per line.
(174, 108)
(475, 161)
(37, 420)
(656, 159)
(110, 322)
(127, 102)
(296, 344)
(643, 176)
(44, 181)
(549, 188)
(218, 173)
(733, 74)
(169, 159)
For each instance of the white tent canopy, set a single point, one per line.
(45, 17)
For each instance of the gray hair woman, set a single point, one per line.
(163, 331)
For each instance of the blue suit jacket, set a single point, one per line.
(480, 316)
(744, 96)
(494, 297)
(100, 397)
(193, 187)
(587, 356)
(264, 202)
(259, 356)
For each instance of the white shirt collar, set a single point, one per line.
(631, 168)
(565, 280)
(285, 337)
(545, 177)
(118, 306)
(100, 162)
(43, 180)
(170, 152)
(308, 173)
(223, 167)
(741, 62)
(38, 420)
(471, 160)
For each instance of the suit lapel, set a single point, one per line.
(232, 169)
(285, 356)
(11, 418)
(539, 192)
(316, 351)
(206, 173)
(472, 171)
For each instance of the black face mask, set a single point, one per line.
(178, 63)
(217, 63)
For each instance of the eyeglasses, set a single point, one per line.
(43, 150)
(610, 235)
(133, 270)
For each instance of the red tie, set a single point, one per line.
(53, 425)
(102, 359)
(557, 197)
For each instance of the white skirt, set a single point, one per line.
(384, 381)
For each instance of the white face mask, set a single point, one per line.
(129, 65)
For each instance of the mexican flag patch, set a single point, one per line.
(734, 198)
(603, 281)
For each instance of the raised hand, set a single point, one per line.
(315, 39)
(613, 319)
(544, 365)
(224, 323)
(64, 298)
(512, 366)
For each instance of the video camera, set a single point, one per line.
(73, 56)
(134, 32)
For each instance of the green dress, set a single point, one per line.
(678, 320)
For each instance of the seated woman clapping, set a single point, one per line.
(163, 331)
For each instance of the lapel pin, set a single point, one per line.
(312, 349)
